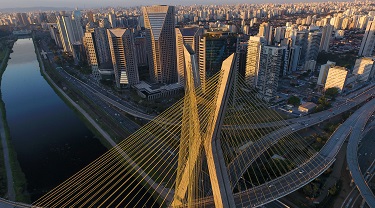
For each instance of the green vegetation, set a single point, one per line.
(294, 100)
(3, 176)
(312, 189)
(332, 92)
(333, 190)
(4, 57)
(345, 59)
(323, 104)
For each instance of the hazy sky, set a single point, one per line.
(124, 3)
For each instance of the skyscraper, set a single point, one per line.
(102, 47)
(140, 49)
(70, 31)
(161, 43)
(302, 41)
(368, 41)
(271, 63)
(188, 36)
(254, 49)
(326, 37)
(123, 57)
(265, 30)
(91, 51)
(313, 43)
(64, 26)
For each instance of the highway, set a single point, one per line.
(121, 121)
(352, 156)
(302, 175)
(352, 199)
(249, 152)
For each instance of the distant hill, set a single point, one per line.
(31, 9)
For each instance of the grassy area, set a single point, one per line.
(3, 176)
(4, 53)
(19, 179)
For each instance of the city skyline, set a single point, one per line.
(201, 104)
(87, 4)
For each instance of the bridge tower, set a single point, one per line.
(200, 141)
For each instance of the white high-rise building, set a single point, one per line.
(326, 38)
(254, 48)
(364, 68)
(265, 30)
(368, 41)
(324, 72)
(161, 43)
(336, 77)
(123, 57)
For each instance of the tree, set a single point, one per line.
(332, 92)
(294, 100)
(333, 190)
(57, 60)
(319, 140)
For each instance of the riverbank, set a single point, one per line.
(16, 181)
(93, 126)
(6, 177)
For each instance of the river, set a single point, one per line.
(50, 140)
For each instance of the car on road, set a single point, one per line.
(301, 171)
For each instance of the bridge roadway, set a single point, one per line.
(352, 198)
(250, 152)
(352, 157)
(302, 175)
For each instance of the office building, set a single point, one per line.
(140, 50)
(187, 41)
(368, 41)
(71, 32)
(123, 57)
(102, 47)
(336, 77)
(92, 59)
(161, 43)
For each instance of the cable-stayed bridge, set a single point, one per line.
(193, 161)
